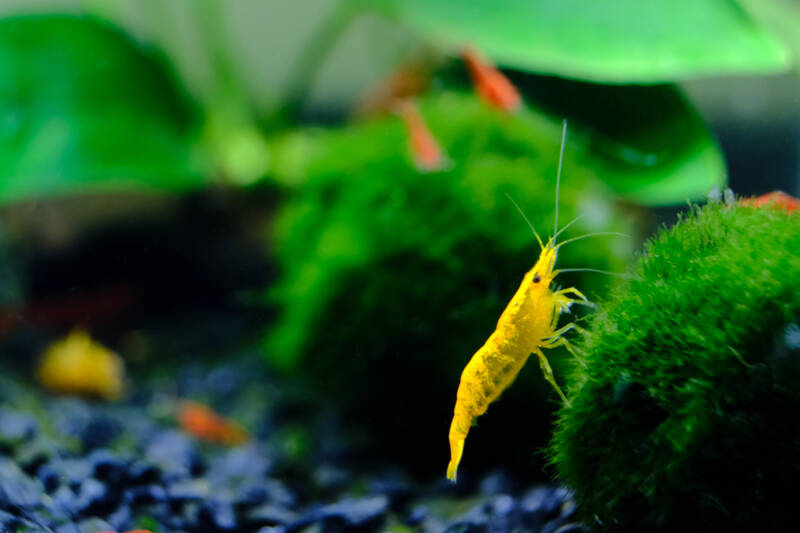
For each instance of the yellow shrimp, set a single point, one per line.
(528, 324)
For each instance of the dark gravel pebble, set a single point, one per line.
(270, 514)
(49, 477)
(146, 494)
(16, 428)
(175, 454)
(69, 528)
(8, 520)
(497, 482)
(107, 466)
(542, 501)
(572, 528)
(63, 501)
(95, 498)
(396, 487)
(217, 515)
(121, 518)
(99, 431)
(497, 513)
(95, 524)
(188, 490)
(266, 490)
(358, 511)
(143, 472)
(73, 471)
(17, 490)
(34, 454)
(329, 478)
(351, 514)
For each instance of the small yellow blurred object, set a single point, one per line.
(79, 365)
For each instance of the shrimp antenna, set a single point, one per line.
(571, 222)
(558, 173)
(596, 234)
(521, 212)
(617, 274)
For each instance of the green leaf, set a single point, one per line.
(780, 16)
(646, 142)
(83, 107)
(612, 41)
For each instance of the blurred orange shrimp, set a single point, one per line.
(428, 155)
(202, 422)
(492, 85)
(779, 199)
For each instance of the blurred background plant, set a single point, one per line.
(164, 162)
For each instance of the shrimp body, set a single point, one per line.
(492, 85)
(527, 325)
(428, 155)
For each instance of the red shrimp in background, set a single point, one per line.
(204, 423)
(428, 155)
(779, 199)
(492, 85)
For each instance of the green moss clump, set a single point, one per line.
(392, 278)
(684, 410)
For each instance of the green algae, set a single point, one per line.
(685, 404)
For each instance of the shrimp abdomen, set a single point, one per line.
(489, 372)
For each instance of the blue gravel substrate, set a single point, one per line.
(75, 466)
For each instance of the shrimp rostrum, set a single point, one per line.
(528, 325)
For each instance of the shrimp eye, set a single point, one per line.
(536, 278)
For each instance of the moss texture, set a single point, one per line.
(392, 278)
(684, 412)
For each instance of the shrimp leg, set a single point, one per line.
(558, 334)
(548, 375)
(576, 292)
(562, 341)
(558, 339)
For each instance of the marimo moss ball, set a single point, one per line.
(391, 278)
(685, 409)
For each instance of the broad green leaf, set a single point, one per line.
(780, 16)
(614, 41)
(83, 107)
(646, 142)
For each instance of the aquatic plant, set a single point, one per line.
(114, 119)
(684, 407)
(612, 41)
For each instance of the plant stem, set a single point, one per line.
(314, 53)
(210, 19)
